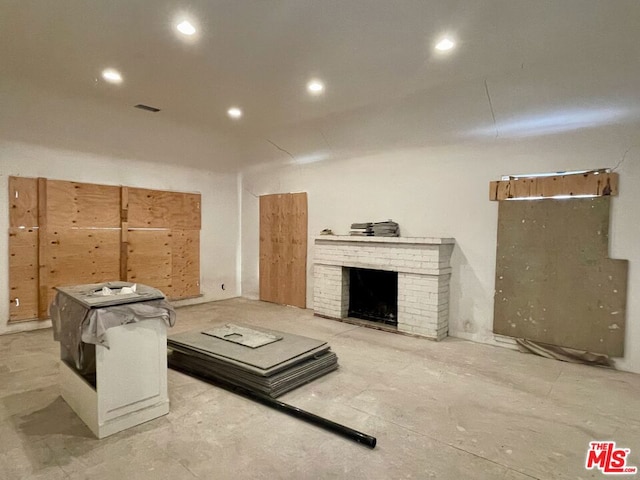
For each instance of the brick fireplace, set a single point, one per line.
(423, 271)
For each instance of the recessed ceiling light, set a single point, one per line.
(445, 44)
(234, 112)
(315, 87)
(186, 28)
(111, 75)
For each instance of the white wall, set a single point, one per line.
(443, 191)
(424, 160)
(69, 139)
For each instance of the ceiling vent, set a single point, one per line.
(147, 108)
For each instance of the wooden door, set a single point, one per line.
(283, 249)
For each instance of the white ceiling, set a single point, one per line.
(547, 64)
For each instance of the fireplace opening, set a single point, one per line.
(373, 295)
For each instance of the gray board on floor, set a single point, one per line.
(266, 358)
(216, 360)
(275, 386)
(248, 337)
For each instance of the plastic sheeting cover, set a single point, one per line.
(75, 323)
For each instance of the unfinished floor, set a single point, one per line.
(448, 410)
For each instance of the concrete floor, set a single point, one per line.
(449, 410)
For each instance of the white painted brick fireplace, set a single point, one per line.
(423, 277)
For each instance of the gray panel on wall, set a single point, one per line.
(554, 281)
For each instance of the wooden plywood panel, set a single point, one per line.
(43, 255)
(283, 248)
(590, 183)
(297, 262)
(23, 249)
(269, 245)
(23, 274)
(78, 227)
(161, 209)
(185, 264)
(499, 190)
(124, 232)
(523, 188)
(149, 258)
(23, 202)
(72, 204)
(551, 187)
(554, 281)
(77, 256)
(607, 184)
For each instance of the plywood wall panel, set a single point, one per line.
(23, 202)
(298, 261)
(149, 258)
(269, 253)
(185, 263)
(78, 256)
(283, 248)
(72, 204)
(23, 274)
(124, 232)
(162, 209)
(74, 233)
(43, 254)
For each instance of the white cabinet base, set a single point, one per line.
(131, 378)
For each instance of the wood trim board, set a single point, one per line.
(589, 183)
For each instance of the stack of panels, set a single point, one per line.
(272, 369)
(363, 229)
(386, 229)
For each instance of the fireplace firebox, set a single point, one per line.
(373, 295)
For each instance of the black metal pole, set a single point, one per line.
(334, 427)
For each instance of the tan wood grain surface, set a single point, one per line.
(43, 252)
(283, 248)
(162, 209)
(124, 232)
(23, 202)
(149, 258)
(69, 233)
(591, 183)
(82, 205)
(23, 274)
(78, 256)
(185, 263)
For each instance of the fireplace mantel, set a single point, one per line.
(423, 270)
(404, 240)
